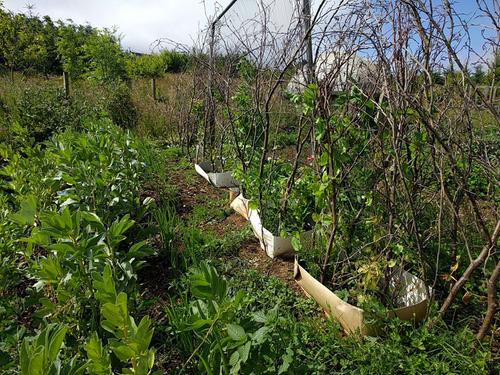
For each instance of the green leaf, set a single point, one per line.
(234, 359)
(116, 318)
(92, 218)
(56, 340)
(259, 317)
(323, 160)
(36, 361)
(39, 355)
(51, 271)
(24, 357)
(26, 215)
(105, 286)
(144, 333)
(244, 351)
(122, 351)
(140, 250)
(287, 361)
(236, 332)
(99, 361)
(260, 335)
(93, 347)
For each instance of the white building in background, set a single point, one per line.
(341, 70)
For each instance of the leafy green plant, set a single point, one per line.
(211, 328)
(80, 245)
(168, 225)
(146, 66)
(199, 325)
(175, 61)
(297, 215)
(106, 60)
(40, 355)
(130, 342)
(42, 111)
(119, 105)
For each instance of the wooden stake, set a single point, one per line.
(153, 87)
(66, 84)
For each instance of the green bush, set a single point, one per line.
(175, 62)
(4, 119)
(119, 105)
(44, 111)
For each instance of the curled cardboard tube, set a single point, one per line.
(352, 318)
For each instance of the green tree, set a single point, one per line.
(26, 42)
(146, 66)
(11, 43)
(175, 61)
(70, 41)
(32, 39)
(106, 60)
(52, 62)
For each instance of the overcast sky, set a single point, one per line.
(141, 22)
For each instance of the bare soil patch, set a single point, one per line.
(279, 267)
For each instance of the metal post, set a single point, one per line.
(308, 40)
(209, 131)
(306, 14)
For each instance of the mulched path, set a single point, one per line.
(250, 251)
(281, 268)
(156, 275)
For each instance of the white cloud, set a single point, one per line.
(140, 22)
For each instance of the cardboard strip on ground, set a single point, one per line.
(274, 246)
(413, 299)
(240, 205)
(351, 318)
(220, 180)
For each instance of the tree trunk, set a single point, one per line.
(472, 266)
(492, 303)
